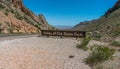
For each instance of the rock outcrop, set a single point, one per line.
(16, 18)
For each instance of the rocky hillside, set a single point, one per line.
(16, 18)
(108, 24)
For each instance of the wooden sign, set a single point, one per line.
(64, 33)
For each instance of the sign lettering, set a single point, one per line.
(64, 33)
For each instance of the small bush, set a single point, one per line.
(7, 10)
(1, 7)
(26, 19)
(6, 13)
(116, 43)
(96, 36)
(115, 34)
(12, 11)
(99, 54)
(38, 26)
(82, 47)
(31, 22)
(18, 16)
(84, 43)
(10, 29)
(1, 28)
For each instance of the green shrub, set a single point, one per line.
(38, 26)
(26, 19)
(82, 47)
(1, 7)
(116, 43)
(18, 16)
(96, 36)
(99, 54)
(114, 34)
(12, 11)
(7, 10)
(84, 43)
(6, 13)
(31, 22)
(10, 29)
(1, 27)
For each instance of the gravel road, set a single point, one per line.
(41, 53)
(11, 37)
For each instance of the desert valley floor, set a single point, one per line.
(33, 52)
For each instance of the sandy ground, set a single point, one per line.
(41, 53)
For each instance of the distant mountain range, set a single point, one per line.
(107, 24)
(16, 18)
(64, 27)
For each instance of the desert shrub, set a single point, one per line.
(1, 28)
(31, 22)
(38, 26)
(114, 34)
(99, 54)
(116, 43)
(84, 43)
(6, 13)
(10, 29)
(1, 7)
(12, 11)
(96, 35)
(18, 16)
(26, 19)
(7, 10)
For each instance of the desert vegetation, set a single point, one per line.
(84, 43)
(1, 6)
(18, 15)
(99, 54)
(6, 12)
(96, 35)
(116, 43)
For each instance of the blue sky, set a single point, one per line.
(69, 12)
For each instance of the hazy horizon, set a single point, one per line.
(69, 13)
(63, 27)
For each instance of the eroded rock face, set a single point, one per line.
(16, 18)
(9, 24)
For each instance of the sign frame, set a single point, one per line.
(64, 33)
